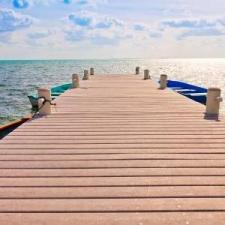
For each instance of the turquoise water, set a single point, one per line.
(20, 78)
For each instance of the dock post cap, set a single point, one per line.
(75, 81)
(213, 101)
(146, 75)
(214, 89)
(86, 75)
(75, 76)
(137, 70)
(43, 89)
(163, 81)
(92, 71)
(44, 105)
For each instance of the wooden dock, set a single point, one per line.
(117, 151)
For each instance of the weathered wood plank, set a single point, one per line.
(113, 181)
(112, 172)
(111, 192)
(85, 151)
(156, 163)
(112, 157)
(112, 205)
(167, 218)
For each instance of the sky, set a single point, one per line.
(104, 29)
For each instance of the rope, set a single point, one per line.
(46, 100)
(43, 104)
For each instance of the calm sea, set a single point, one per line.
(20, 78)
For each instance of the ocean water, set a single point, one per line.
(18, 78)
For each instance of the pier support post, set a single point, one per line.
(213, 102)
(146, 75)
(75, 81)
(137, 70)
(92, 71)
(44, 101)
(163, 82)
(86, 75)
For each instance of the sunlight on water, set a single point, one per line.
(20, 78)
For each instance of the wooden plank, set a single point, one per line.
(114, 146)
(85, 151)
(107, 157)
(113, 181)
(110, 137)
(76, 164)
(111, 192)
(166, 218)
(75, 134)
(112, 205)
(104, 141)
(112, 172)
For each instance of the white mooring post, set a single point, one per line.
(163, 81)
(86, 75)
(213, 102)
(75, 81)
(92, 71)
(44, 101)
(146, 75)
(137, 70)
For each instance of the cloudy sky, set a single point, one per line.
(43, 29)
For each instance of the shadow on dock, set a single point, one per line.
(211, 117)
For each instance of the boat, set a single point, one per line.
(8, 128)
(196, 93)
(33, 101)
(55, 92)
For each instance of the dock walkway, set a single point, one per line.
(117, 151)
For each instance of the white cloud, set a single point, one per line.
(154, 28)
(22, 4)
(95, 28)
(86, 26)
(94, 21)
(195, 27)
(11, 21)
(190, 23)
(86, 2)
(39, 34)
